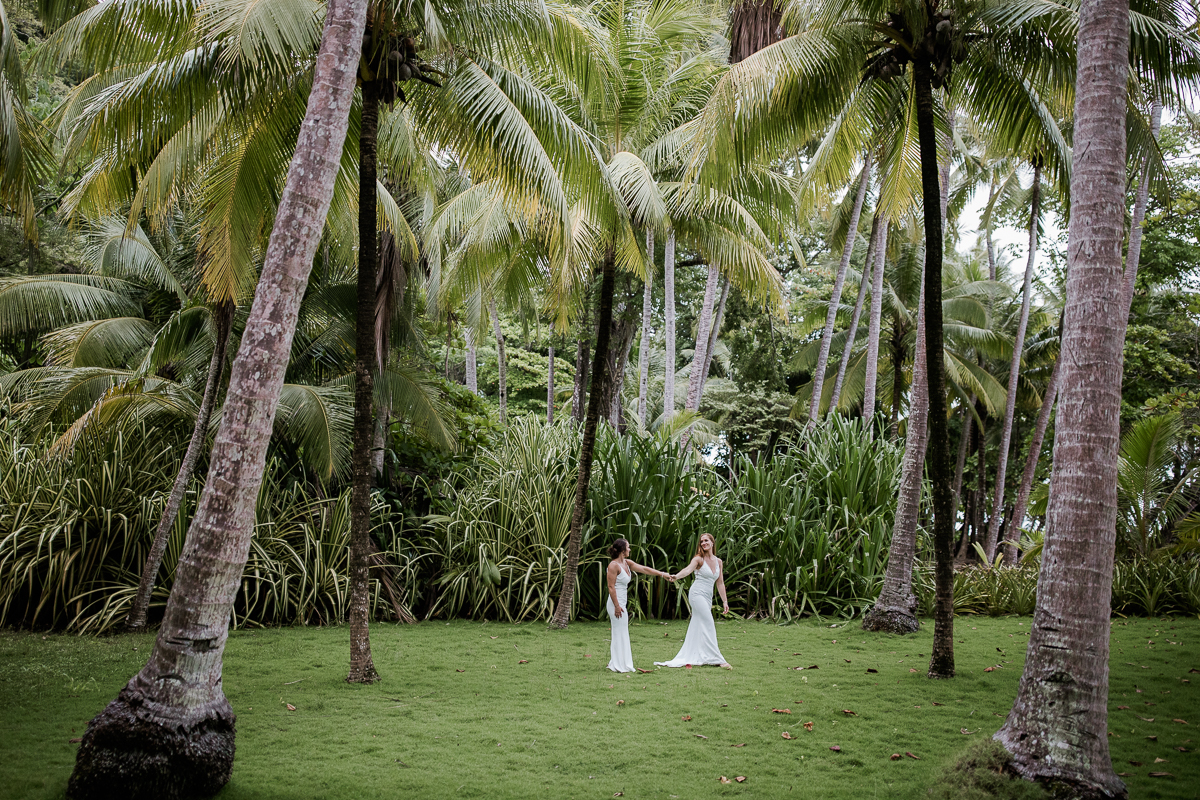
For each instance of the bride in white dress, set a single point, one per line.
(620, 572)
(700, 644)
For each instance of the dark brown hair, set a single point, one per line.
(616, 548)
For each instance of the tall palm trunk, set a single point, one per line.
(449, 339)
(875, 324)
(895, 611)
(1014, 372)
(644, 344)
(501, 361)
(223, 321)
(550, 387)
(170, 732)
(1133, 255)
(587, 448)
(1057, 730)
(835, 301)
(852, 333)
(964, 444)
(941, 662)
(362, 667)
(755, 24)
(669, 326)
(703, 331)
(472, 360)
(1031, 462)
(713, 335)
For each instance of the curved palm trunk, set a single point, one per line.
(587, 449)
(1133, 255)
(941, 662)
(1057, 729)
(644, 344)
(835, 301)
(472, 360)
(1014, 372)
(703, 333)
(713, 336)
(501, 361)
(895, 611)
(223, 318)
(170, 732)
(550, 387)
(1031, 462)
(669, 326)
(362, 667)
(873, 327)
(852, 334)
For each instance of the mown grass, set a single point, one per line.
(553, 727)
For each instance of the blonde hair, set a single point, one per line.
(711, 538)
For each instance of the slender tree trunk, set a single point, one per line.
(1057, 729)
(1134, 254)
(895, 610)
(620, 344)
(472, 360)
(835, 301)
(223, 322)
(170, 732)
(713, 335)
(501, 361)
(987, 235)
(941, 662)
(852, 334)
(550, 388)
(1014, 373)
(979, 496)
(875, 324)
(587, 449)
(644, 345)
(449, 338)
(964, 444)
(1031, 462)
(362, 667)
(669, 326)
(704, 329)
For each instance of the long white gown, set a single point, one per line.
(700, 644)
(620, 654)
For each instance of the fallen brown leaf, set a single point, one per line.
(1146, 719)
(808, 726)
(686, 717)
(1152, 738)
(725, 780)
(787, 735)
(846, 660)
(523, 661)
(644, 671)
(896, 756)
(74, 741)
(1124, 774)
(743, 744)
(835, 748)
(1180, 721)
(620, 702)
(1122, 708)
(1161, 775)
(290, 707)
(869, 670)
(848, 712)
(740, 779)
(493, 637)
(1135, 763)
(618, 794)
(1160, 761)
(814, 666)
(587, 655)
(460, 670)
(1193, 669)
(781, 711)
(910, 755)
(985, 669)
(910, 669)
(966, 732)
(699, 735)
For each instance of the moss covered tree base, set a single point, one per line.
(890, 620)
(985, 771)
(124, 756)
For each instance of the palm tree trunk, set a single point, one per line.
(170, 732)
(644, 344)
(713, 335)
(964, 444)
(1134, 253)
(362, 667)
(449, 338)
(472, 360)
(550, 387)
(704, 329)
(1014, 372)
(895, 610)
(223, 320)
(875, 324)
(501, 361)
(1031, 462)
(755, 24)
(1057, 729)
(669, 326)
(852, 334)
(987, 234)
(941, 662)
(582, 354)
(620, 344)
(835, 301)
(587, 448)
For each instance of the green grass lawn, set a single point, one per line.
(458, 713)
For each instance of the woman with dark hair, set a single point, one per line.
(620, 572)
(700, 643)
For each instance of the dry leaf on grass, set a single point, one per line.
(741, 744)
(686, 718)
(939, 704)
(1122, 708)
(910, 669)
(835, 748)
(910, 755)
(740, 779)
(872, 671)
(290, 707)
(493, 637)
(781, 710)
(1180, 721)
(895, 756)
(523, 661)
(644, 671)
(1152, 738)
(986, 669)
(1161, 775)
(848, 712)
(1135, 763)
(618, 794)
(1146, 719)
(620, 702)
(966, 732)
(74, 741)
(1160, 761)
(1182, 749)
(723, 779)
(460, 670)
(786, 735)
(808, 726)
(699, 735)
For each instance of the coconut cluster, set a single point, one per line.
(389, 59)
(940, 45)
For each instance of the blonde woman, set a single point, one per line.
(620, 573)
(700, 644)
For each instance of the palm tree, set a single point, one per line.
(176, 702)
(24, 153)
(1057, 728)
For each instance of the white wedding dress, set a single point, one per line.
(700, 644)
(620, 654)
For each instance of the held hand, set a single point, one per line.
(618, 611)
(672, 578)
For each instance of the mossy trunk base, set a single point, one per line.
(125, 757)
(890, 620)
